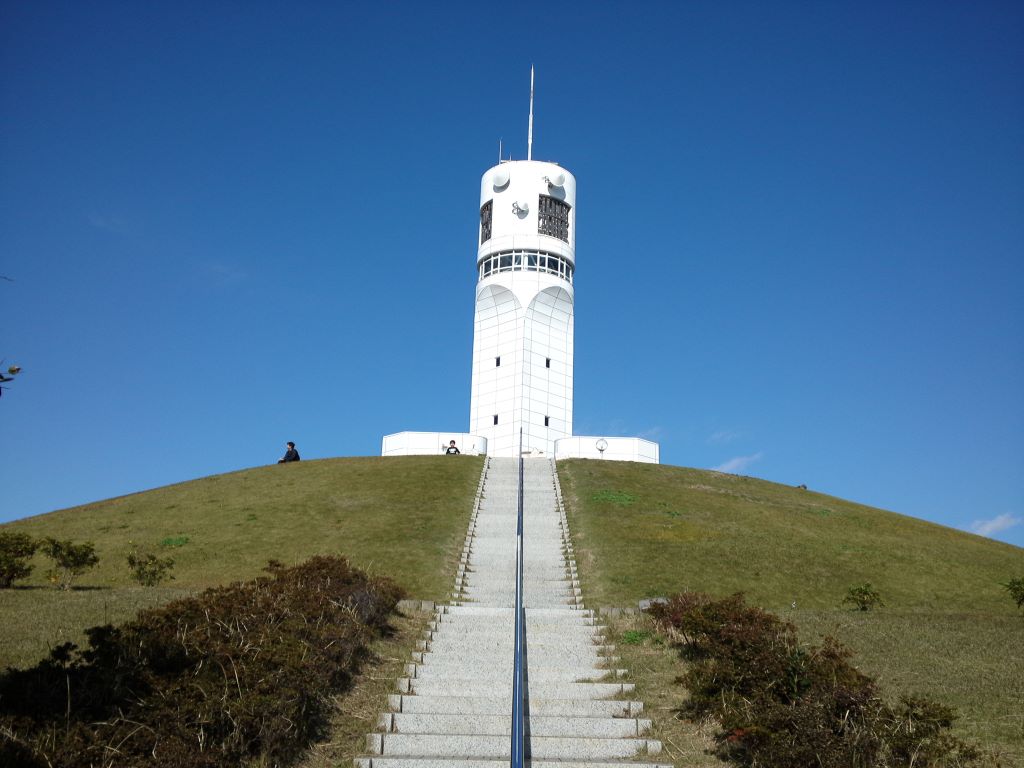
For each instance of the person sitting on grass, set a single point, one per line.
(451, 448)
(290, 455)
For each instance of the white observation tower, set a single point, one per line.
(523, 326)
(523, 323)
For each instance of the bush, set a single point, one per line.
(783, 704)
(148, 569)
(916, 733)
(15, 551)
(234, 675)
(1016, 589)
(71, 560)
(863, 597)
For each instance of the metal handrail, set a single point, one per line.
(518, 731)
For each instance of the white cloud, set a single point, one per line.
(738, 464)
(114, 224)
(653, 433)
(997, 524)
(223, 273)
(722, 436)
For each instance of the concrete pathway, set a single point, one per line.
(454, 706)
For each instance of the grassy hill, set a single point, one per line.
(948, 629)
(405, 517)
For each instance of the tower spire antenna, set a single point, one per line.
(529, 135)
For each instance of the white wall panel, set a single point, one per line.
(615, 449)
(431, 443)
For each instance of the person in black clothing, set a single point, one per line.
(290, 455)
(451, 448)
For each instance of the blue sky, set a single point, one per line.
(800, 235)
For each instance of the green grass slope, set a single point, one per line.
(405, 517)
(948, 629)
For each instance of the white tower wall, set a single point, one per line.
(523, 331)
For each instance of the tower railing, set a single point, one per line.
(518, 671)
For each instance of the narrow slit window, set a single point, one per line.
(547, 362)
(497, 361)
(485, 221)
(495, 418)
(546, 421)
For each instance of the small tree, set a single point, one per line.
(148, 569)
(15, 550)
(70, 559)
(863, 597)
(1016, 589)
(12, 371)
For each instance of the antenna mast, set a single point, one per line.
(529, 137)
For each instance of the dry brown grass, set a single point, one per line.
(356, 712)
(653, 668)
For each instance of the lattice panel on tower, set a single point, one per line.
(553, 217)
(485, 221)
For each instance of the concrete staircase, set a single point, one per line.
(454, 706)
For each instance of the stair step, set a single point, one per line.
(484, 611)
(536, 632)
(501, 705)
(498, 746)
(588, 727)
(505, 622)
(584, 655)
(472, 687)
(382, 761)
(481, 670)
(548, 645)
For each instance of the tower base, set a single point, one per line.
(576, 447)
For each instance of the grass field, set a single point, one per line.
(404, 517)
(948, 629)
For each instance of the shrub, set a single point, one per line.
(1016, 589)
(235, 675)
(916, 733)
(15, 551)
(71, 560)
(863, 597)
(148, 569)
(783, 704)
